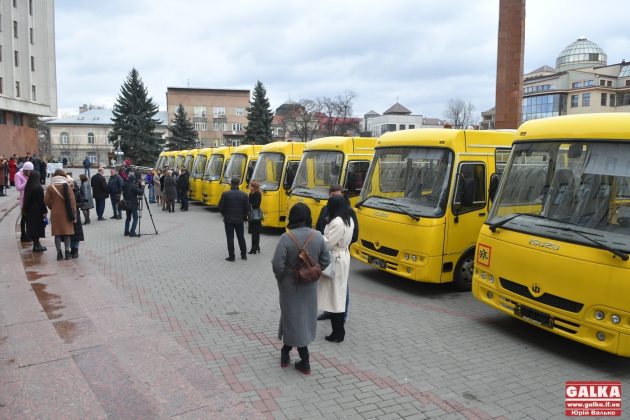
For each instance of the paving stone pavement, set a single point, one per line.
(411, 350)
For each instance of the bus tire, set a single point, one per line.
(462, 278)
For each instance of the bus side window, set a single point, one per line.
(355, 177)
(290, 172)
(470, 194)
(250, 170)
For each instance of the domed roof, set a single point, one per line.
(579, 54)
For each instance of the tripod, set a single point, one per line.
(143, 199)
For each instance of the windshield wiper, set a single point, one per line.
(306, 193)
(391, 202)
(493, 226)
(585, 235)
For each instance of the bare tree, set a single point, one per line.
(338, 113)
(101, 144)
(70, 149)
(459, 112)
(43, 134)
(304, 121)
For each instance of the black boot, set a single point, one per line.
(74, 252)
(285, 358)
(303, 365)
(59, 255)
(68, 255)
(338, 330)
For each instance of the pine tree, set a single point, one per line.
(183, 134)
(259, 117)
(134, 122)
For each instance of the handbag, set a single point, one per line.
(255, 215)
(122, 204)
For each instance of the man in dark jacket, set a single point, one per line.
(322, 221)
(115, 186)
(99, 192)
(86, 166)
(131, 192)
(234, 206)
(183, 184)
(40, 166)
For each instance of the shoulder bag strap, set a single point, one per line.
(294, 239)
(309, 238)
(58, 193)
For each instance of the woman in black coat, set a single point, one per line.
(254, 227)
(78, 226)
(35, 210)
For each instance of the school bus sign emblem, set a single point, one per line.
(484, 253)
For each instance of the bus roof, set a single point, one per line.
(348, 145)
(223, 150)
(289, 148)
(458, 140)
(248, 149)
(602, 126)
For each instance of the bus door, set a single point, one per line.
(465, 217)
(289, 175)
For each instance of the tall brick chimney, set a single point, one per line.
(510, 52)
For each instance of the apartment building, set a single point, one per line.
(219, 115)
(28, 84)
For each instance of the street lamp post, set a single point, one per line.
(119, 153)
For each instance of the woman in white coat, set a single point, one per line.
(331, 294)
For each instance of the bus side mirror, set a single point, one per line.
(494, 185)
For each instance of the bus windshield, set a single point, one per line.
(213, 170)
(411, 180)
(200, 166)
(317, 172)
(235, 168)
(269, 170)
(577, 191)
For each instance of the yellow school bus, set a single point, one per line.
(198, 169)
(178, 163)
(215, 168)
(328, 161)
(242, 162)
(189, 159)
(169, 159)
(424, 200)
(554, 250)
(161, 161)
(275, 170)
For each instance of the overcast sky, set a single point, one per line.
(421, 52)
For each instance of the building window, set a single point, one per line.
(18, 119)
(64, 138)
(218, 111)
(412, 126)
(199, 111)
(201, 126)
(0, 48)
(90, 138)
(32, 63)
(15, 29)
(602, 82)
(574, 101)
(3, 117)
(92, 157)
(1, 85)
(33, 93)
(604, 99)
(30, 35)
(401, 126)
(612, 99)
(16, 58)
(609, 83)
(237, 127)
(623, 99)
(30, 7)
(15, 3)
(17, 89)
(239, 110)
(586, 99)
(628, 82)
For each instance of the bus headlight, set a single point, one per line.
(600, 336)
(491, 278)
(616, 319)
(414, 258)
(484, 275)
(599, 315)
(406, 256)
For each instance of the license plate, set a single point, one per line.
(377, 262)
(534, 316)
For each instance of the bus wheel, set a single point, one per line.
(462, 279)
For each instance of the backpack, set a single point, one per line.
(306, 270)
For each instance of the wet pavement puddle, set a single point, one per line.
(70, 330)
(34, 275)
(51, 302)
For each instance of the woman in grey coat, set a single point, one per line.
(88, 200)
(170, 192)
(298, 301)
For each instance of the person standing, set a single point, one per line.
(4, 179)
(34, 211)
(99, 191)
(298, 301)
(88, 200)
(131, 192)
(254, 225)
(115, 186)
(87, 164)
(12, 170)
(60, 200)
(332, 292)
(78, 237)
(21, 177)
(149, 182)
(157, 190)
(170, 191)
(234, 206)
(64, 161)
(183, 184)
